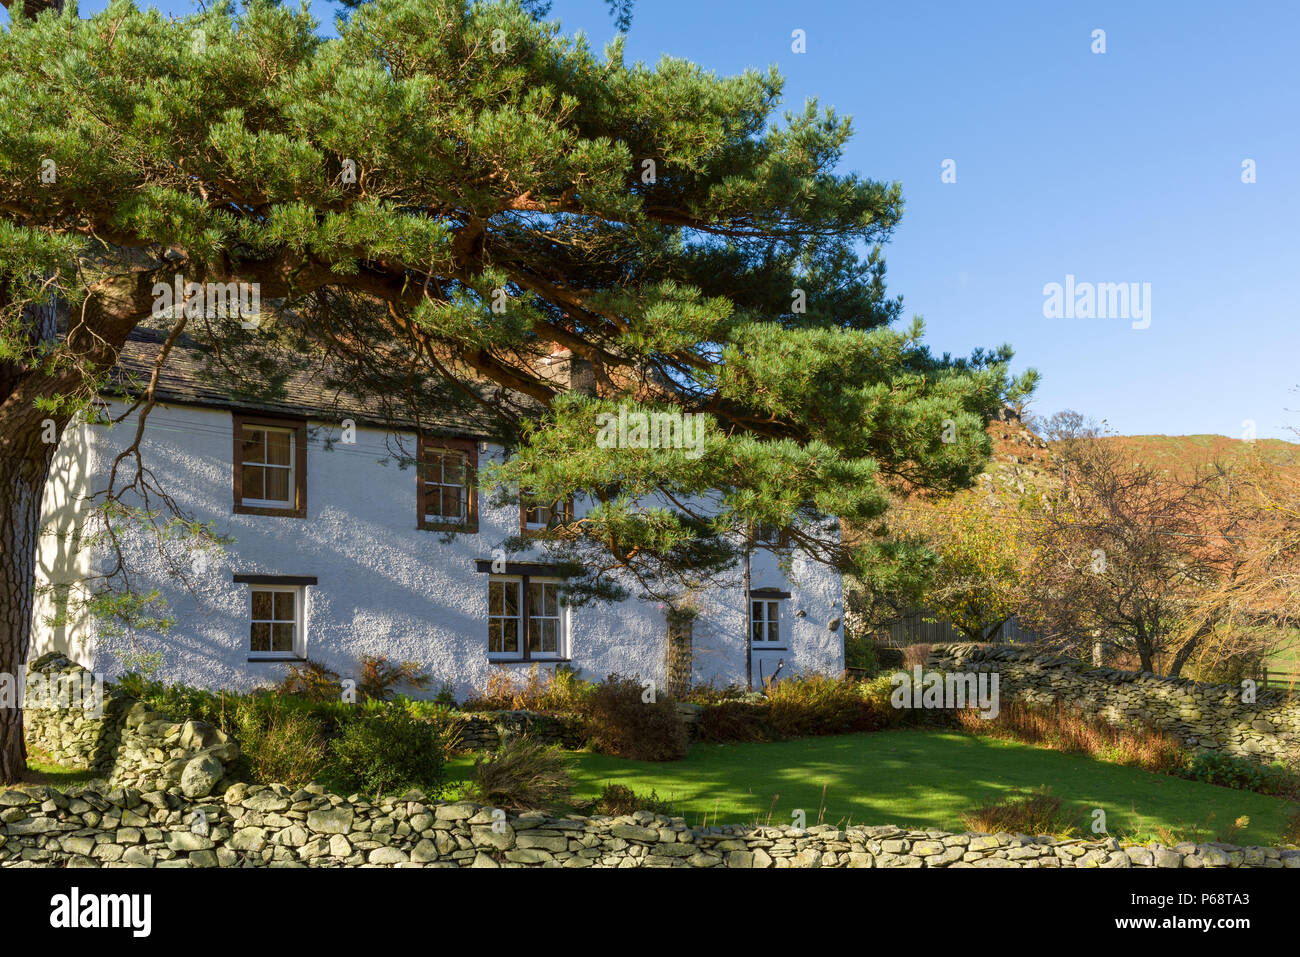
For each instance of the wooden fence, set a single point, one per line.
(1285, 680)
(922, 628)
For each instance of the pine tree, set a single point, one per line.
(447, 193)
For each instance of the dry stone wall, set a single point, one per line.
(481, 731)
(126, 743)
(271, 826)
(1206, 717)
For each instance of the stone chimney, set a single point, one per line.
(567, 371)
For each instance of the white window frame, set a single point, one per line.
(292, 467)
(525, 617)
(560, 618)
(532, 526)
(764, 613)
(517, 618)
(299, 621)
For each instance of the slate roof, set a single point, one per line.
(188, 379)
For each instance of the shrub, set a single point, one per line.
(1291, 829)
(311, 680)
(1241, 773)
(393, 749)
(815, 704)
(180, 702)
(1038, 812)
(617, 721)
(619, 799)
(889, 656)
(875, 695)
(380, 678)
(281, 745)
(860, 653)
(522, 775)
(732, 720)
(708, 694)
(558, 690)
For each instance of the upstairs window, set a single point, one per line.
(270, 466)
(447, 491)
(535, 517)
(766, 533)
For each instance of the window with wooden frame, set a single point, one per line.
(270, 466)
(535, 517)
(526, 619)
(447, 485)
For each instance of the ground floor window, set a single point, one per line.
(526, 619)
(765, 622)
(275, 628)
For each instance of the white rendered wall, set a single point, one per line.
(386, 587)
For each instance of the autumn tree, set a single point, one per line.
(981, 558)
(438, 199)
(1127, 552)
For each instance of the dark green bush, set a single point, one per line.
(889, 657)
(1244, 774)
(732, 720)
(390, 750)
(280, 744)
(617, 720)
(860, 653)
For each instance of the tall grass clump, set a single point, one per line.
(1036, 812)
(1060, 728)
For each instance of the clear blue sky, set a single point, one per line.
(1116, 167)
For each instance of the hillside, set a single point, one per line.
(1019, 454)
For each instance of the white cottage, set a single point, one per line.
(338, 551)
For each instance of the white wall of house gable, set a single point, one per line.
(386, 587)
(63, 565)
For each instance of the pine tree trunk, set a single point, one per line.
(22, 483)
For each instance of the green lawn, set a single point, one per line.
(42, 770)
(918, 779)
